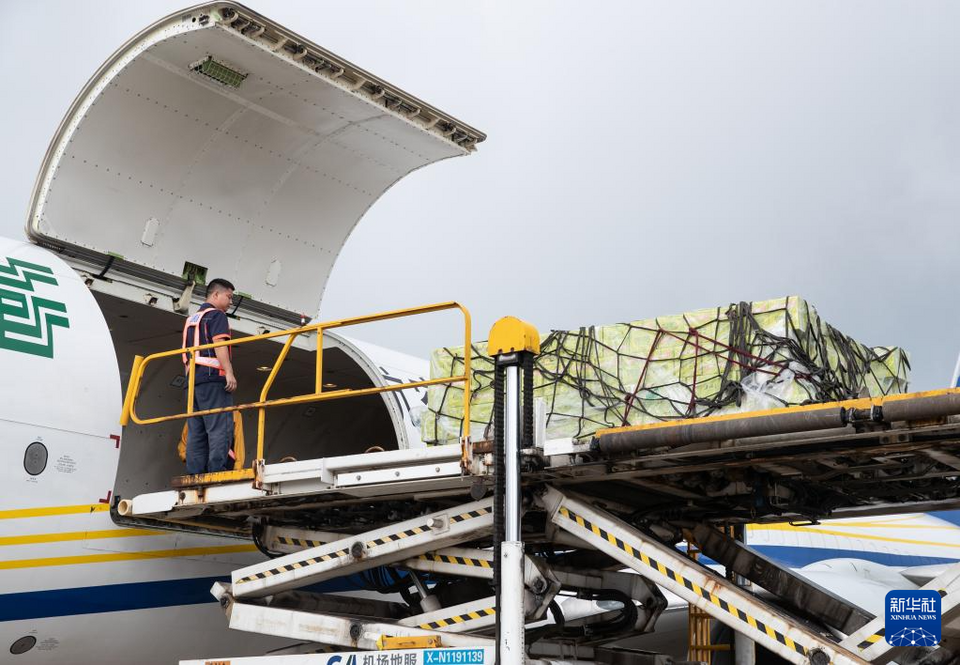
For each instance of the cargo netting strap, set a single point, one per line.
(747, 356)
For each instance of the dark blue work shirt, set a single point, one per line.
(214, 327)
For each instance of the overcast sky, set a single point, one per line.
(643, 158)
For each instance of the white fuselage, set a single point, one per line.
(85, 588)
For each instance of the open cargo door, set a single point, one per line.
(217, 143)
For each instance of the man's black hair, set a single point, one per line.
(218, 285)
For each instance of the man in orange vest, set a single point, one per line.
(209, 437)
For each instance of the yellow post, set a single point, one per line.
(467, 352)
(261, 427)
(261, 421)
(191, 380)
(319, 383)
(133, 385)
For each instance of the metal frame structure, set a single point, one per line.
(672, 570)
(257, 600)
(549, 529)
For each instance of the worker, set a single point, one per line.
(208, 438)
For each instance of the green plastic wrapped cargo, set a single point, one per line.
(741, 357)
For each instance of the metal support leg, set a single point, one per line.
(513, 344)
(744, 648)
(512, 622)
(800, 594)
(695, 584)
(541, 585)
(539, 581)
(367, 550)
(465, 617)
(511, 455)
(428, 602)
(458, 561)
(330, 629)
(512, 619)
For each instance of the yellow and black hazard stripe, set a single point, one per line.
(870, 640)
(462, 560)
(673, 575)
(460, 618)
(463, 517)
(399, 535)
(424, 528)
(286, 568)
(299, 542)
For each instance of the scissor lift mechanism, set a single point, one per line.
(409, 510)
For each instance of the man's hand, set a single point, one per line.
(224, 357)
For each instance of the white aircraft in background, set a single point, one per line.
(860, 559)
(215, 143)
(881, 553)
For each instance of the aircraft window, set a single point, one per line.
(35, 458)
(24, 644)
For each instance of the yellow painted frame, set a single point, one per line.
(389, 642)
(140, 365)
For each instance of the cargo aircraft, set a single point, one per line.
(214, 143)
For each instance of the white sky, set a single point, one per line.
(643, 158)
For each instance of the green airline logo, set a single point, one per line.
(27, 320)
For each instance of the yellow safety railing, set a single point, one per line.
(140, 365)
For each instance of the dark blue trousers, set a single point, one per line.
(209, 437)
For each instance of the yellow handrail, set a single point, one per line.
(140, 364)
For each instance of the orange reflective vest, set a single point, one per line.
(193, 321)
